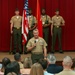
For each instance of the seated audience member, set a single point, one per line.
(27, 62)
(36, 69)
(52, 67)
(12, 69)
(0, 66)
(0, 69)
(73, 66)
(67, 64)
(17, 57)
(27, 65)
(44, 65)
(5, 62)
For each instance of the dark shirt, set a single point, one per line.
(53, 68)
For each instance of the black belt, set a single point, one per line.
(57, 26)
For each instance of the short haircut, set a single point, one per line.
(12, 67)
(73, 66)
(56, 10)
(35, 30)
(43, 9)
(67, 61)
(5, 62)
(16, 9)
(30, 9)
(17, 56)
(43, 63)
(51, 59)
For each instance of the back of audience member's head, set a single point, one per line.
(5, 62)
(51, 59)
(12, 68)
(36, 69)
(67, 61)
(17, 57)
(43, 63)
(27, 62)
(12, 73)
(73, 66)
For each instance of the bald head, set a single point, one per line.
(35, 30)
(36, 33)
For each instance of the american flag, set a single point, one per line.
(25, 23)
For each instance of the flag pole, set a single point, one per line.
(23, 49)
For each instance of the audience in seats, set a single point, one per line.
(5, 62)
(27, 62)
(12, 68)
(17, 58)
(73, 66)
(27, 65)
(67, 64)
(36, 69)
(44, 65)
(52, 67)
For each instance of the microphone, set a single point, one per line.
(35, 41)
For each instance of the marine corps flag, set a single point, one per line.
(39, 23)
